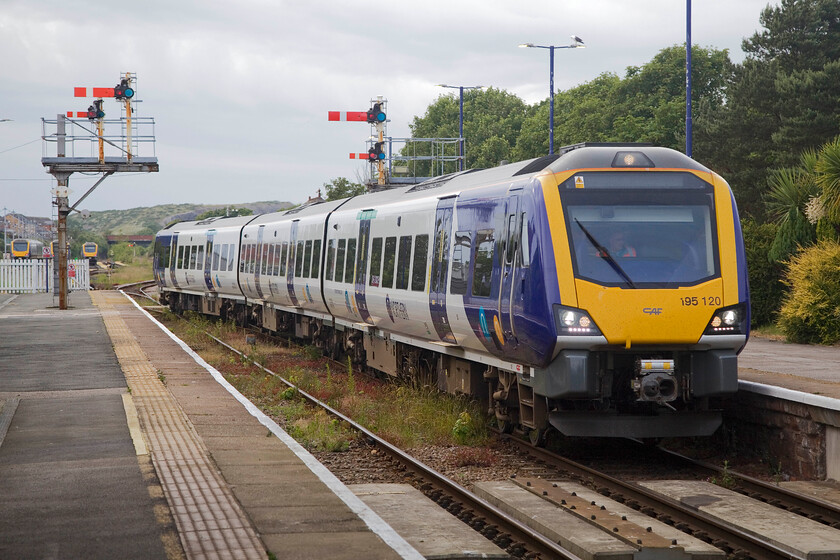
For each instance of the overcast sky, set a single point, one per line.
(240, 91)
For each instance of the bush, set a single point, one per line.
(766, 287)
(811, 311)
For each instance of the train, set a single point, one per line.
(90, 251)
(600, 291)
(27, 249)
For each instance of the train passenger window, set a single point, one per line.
(421, 261)
(275, 258)
(329, 267)
(307, 258)
(511, 244)
(404, 262)
(193, 253)
(525, 253)
(316, 258)
(298, 258)
(390, 261)
(269, 269)
(200, 258)
(375, 261)
(252, 258)
(339, 260)
(242, 252)
(223, 253)
(216, 250)
(350, 264)
(483, 272)
(180, 263)
(231, 256)
(283, 258)
(263, 257)
(460, 262)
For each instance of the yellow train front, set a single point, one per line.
(651, 301)
(89, 251)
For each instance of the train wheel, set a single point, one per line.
(538, 437)
(505, 426)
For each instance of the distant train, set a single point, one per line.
(601, 291)
(89, 251)
(27, 249)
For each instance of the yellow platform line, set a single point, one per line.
(210, 521)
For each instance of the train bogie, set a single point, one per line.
(602, 292)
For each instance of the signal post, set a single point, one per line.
(377, 118)
(66, 162)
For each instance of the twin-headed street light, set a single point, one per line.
(461, 120)
(577, 43)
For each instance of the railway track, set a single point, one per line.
(523, 541)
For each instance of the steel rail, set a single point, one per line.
(519, 532)
(801, 504)
(665, 507)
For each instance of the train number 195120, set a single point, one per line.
(690, 301)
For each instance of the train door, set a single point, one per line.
(290, 270)
(440, 269)
(361, 264)
(208, 261)
(173, 259)
(508, 258)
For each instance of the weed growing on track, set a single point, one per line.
(407, 416)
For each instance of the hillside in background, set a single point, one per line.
(147, 221)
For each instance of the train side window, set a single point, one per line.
(275, 258)
(223, 254)
(511, 244)
(269, 268)
(307, 258)
(191, 262)
(390, 260)
(262, 252)
(216, 251)
(525, 248)
(252, 258)
(350, 264)
(231, 256)
(375, 261)
(242, 252)
(298, 258)
(460, 262)
(180, 263)
(200, 258)
(284, 254)
(421, 261)
(339, 260)
(483, 272)
(329, 267)
(404, 262)
(316, 258)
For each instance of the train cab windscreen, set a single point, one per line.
(642, 234)
(20, 245)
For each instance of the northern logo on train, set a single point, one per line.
(388, 307)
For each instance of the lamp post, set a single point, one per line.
(688, 132)
(577, 43)
(460, 120)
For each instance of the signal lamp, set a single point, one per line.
(123, 90)
(376, 153)
(376, 114)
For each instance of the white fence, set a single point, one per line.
(31, 276)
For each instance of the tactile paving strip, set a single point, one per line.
(210, 521)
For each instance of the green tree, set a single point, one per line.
(790, 191)
(492, 122)
(781, 100)
(341, 187)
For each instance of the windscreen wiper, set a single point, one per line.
(605, 254)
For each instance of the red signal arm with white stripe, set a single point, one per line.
(357, 116)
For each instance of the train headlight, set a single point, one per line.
(572, 321)
(728, 320)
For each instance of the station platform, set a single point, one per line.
(99, 458)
